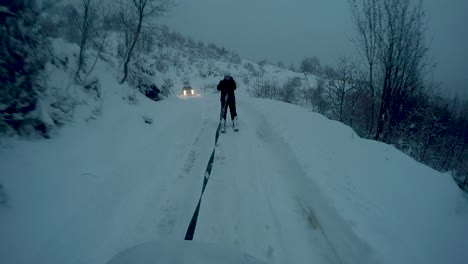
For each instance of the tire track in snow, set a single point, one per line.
(174, 219)
(261, 200)
(248, 205)
(344, 245)
(289, 170)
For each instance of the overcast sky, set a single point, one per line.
(289, 30)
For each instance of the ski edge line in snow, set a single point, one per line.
(193, 222)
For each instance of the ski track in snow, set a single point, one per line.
(257, 197)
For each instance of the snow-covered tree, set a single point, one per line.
(23, 54)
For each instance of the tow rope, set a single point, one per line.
(193, 222)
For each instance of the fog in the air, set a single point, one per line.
(289, 30)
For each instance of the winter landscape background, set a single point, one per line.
(361, 159)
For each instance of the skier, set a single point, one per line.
(227, 87)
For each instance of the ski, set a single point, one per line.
(235, 124)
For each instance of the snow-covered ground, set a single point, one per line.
(290, 187)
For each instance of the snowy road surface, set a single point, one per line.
(106, 185)
(251, 202)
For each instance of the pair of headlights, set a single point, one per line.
(192, 92)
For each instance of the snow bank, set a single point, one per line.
(406, 211)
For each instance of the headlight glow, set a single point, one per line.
(185, 92)
(193, 91)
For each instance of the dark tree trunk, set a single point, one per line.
(371, 126)
(129, 54)
(84, 39)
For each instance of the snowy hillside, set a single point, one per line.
(182, 60)
(290, 187)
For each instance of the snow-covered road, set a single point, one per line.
(251, 202)
(123, 182)
(274, 193)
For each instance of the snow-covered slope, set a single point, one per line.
(182, 60)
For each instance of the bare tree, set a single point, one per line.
(266, 88)
(366, 15)
(88, 17)
(391, 33)
(281, 64)
(311, 65)
(94, 28)
(340, 84)
(289, 91)
(139, 11)
(354, 96)
(315, 97)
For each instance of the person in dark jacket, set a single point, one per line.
(227, 86)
